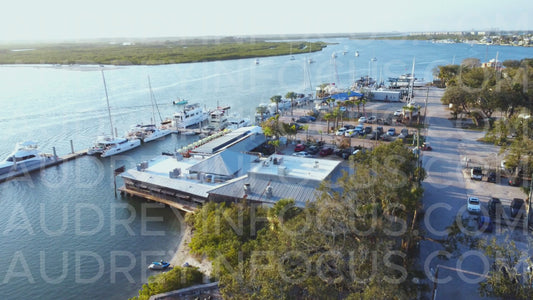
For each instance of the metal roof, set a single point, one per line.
(280, 190)
(230, 138)
(225, 163)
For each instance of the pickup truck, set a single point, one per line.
(476, 173)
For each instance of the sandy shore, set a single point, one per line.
(183, 255)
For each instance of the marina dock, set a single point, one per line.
(57, 160)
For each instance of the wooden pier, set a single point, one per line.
(173, 203)
(56, 160)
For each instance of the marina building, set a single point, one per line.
(226, 169)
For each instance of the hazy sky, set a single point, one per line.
(74, 19)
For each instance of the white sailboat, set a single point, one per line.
(111, 145)
(151, 132)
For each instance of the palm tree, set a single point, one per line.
(276, 99)
(292, 96)
(328, 117)
(262, 111)
(410, 109)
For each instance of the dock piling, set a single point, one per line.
(71, 147)
(55, 154)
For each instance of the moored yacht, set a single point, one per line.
(108, 146)
(26, 157)
(148, 133)
(191, 114)
(235, 122)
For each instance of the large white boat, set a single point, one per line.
(25, 157)
(191, 114)
(235, 122)
(218, 118)
(148, 133)
(108, 146)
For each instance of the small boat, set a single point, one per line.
(26, 156)
(159, 265)
(257, 61)
(180, 101)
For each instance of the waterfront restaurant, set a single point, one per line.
(228, 175)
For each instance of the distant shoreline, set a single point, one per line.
(151, 53)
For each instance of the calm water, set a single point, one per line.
(63, 234)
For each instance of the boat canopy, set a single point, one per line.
(346, 96)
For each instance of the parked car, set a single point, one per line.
(491, 177)
(299, 148)
(362, 120)
(302, 120)
(518, 208)
(398, 113)
(372, 119)
(368, 129)
(484, 224)
(386, 137)
(405, 132)
(344, 153)
(495, 208)
(473, 206)
(391, 131)
(476, 173)
(340, 131)
(349, 126)
(313, 149)
(302, 154)
(326, 151)
(360, 129)
(379, 129)
(350, 133)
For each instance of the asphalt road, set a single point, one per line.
(447, 187)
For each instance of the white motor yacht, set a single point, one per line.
(192, 114)
(148, 133)
(26, 157)
(108, 146)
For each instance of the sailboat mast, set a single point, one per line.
(108, 108)
(412, 83)
(154, 102)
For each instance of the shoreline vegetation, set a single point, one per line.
(121, 52)
(151, 52)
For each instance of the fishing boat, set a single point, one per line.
(110, 145)
(191, 114)
(26, 157)
(159, 265)
(180, 101)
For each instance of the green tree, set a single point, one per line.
(276, 99)
(509, 278)
(175, 279)
(292, 96)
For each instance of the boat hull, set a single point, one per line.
(119, 148)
